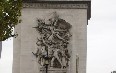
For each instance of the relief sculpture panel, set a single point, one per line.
(53, 44)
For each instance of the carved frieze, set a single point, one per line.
(54, 6)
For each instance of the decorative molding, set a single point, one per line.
(55, 70)
(55, 6)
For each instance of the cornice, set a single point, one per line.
(54, 6)
(52, 0)
(60, 5)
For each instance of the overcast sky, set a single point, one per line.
(101, 54)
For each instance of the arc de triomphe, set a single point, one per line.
(52, 32)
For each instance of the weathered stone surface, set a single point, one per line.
(88, 2)
(25, 62)
(17, 50)
(76, 14)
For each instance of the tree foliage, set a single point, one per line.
(10, 11)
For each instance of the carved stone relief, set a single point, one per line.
(53, 42)
(55, 6)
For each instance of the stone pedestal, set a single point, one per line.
(76, 13)
(54, 71)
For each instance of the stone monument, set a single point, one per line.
(52, 37)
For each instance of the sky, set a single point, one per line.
(101, 40)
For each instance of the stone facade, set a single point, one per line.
(25, 44)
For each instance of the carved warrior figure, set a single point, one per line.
(54, 40)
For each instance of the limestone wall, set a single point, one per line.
(23, 59)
